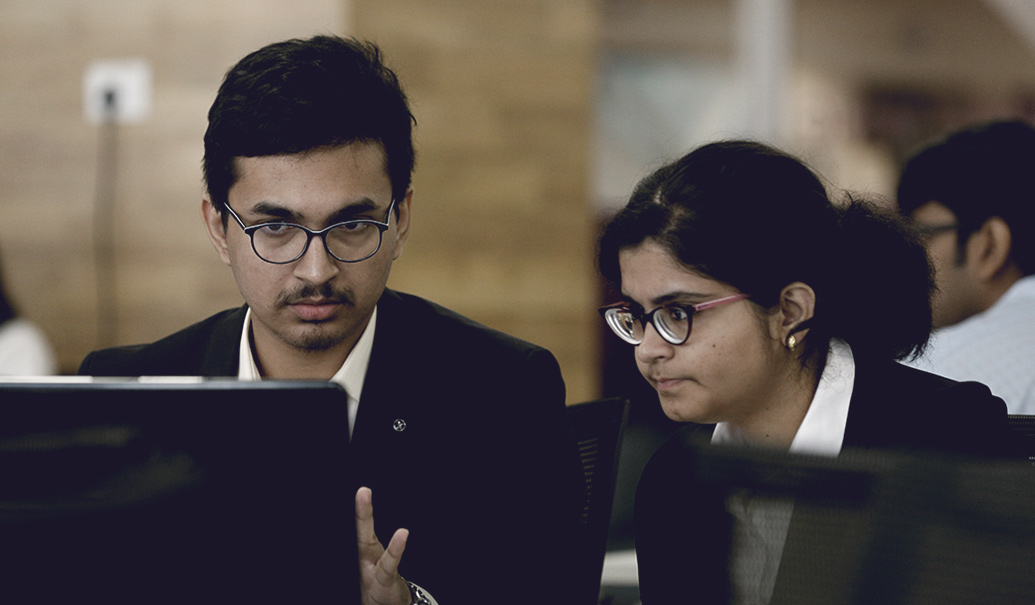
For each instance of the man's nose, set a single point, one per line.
(316, 266)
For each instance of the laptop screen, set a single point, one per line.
(205, 490)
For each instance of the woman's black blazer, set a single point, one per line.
(682, 529)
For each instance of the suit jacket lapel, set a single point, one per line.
(384, 414)
(221, 355)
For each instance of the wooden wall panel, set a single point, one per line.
(167, 273)
(502, 90)
(504, 227)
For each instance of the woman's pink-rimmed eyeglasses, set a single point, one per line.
(672, 322)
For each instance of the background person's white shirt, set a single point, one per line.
(995, 347)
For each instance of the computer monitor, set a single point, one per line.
(889, 527)
(123, 491)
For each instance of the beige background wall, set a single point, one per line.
(507, 95)
(868, 81)
(167, 273)
(502, 92)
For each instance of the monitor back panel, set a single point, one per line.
(144, 492)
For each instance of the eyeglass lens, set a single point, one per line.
(672, 323)
(349, 242)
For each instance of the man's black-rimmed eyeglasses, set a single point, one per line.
(349, 241)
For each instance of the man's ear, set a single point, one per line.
(404, 205)
(215, 228)
(988, 249)
(796, 306)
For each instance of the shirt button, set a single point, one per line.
(399, 425)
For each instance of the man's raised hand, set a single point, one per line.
(380, 582)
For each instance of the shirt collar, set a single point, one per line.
(1023, 288)
(351, 375)
(822, 431)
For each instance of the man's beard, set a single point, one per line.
(319, 336)
(318, 341)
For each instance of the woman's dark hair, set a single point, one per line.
(301, 95)
(758, 219)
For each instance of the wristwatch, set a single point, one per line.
(417, 596)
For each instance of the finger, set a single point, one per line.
(388, 564)
(367, 545)
(365, 517)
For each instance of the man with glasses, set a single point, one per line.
(456, 429)
(970, 197)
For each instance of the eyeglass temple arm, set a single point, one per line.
(234, 214)
(719, 301)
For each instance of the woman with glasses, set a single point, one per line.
(767, 316)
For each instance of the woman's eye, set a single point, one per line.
(677, 314)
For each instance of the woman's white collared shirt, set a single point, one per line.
(762, 523)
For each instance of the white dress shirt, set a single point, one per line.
(995, 347)
(761, 523)
(351, 375)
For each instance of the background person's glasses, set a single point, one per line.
(348, 241)
(672, 322)
(928, 230)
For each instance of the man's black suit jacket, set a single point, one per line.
(485, 474)
(682, 529)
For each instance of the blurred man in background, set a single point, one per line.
(971, 196)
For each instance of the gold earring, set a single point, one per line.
(792, 342)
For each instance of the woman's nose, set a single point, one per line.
(653, 345)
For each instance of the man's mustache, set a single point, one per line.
(322, 292)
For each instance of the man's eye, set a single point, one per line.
(277, 229)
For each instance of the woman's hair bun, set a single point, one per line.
(880, 291)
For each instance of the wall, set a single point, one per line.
(505, 92)
(502, 92)
(869, 81)
(166, 273)
(504, 232)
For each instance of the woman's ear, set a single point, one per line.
(796, 306)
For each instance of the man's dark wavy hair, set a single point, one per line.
(302, 95)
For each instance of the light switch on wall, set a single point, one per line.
(118, 90)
